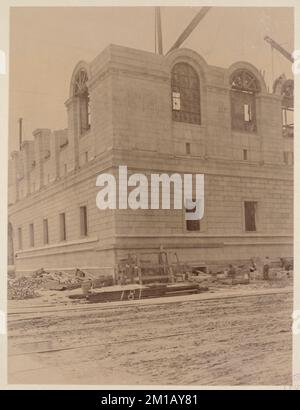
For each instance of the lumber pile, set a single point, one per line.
(135, 292)
(185, 289)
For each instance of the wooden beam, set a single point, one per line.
(159, 32)
(193, 24)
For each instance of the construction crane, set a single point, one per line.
(184, 35)
(279, 48)
(158, 30)
(190, 27)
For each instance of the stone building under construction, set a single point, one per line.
(163, 114)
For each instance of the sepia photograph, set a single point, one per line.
(150, 196)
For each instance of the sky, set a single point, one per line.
(47, 42)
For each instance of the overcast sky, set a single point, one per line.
(46, 44)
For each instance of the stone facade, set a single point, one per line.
(132, 123)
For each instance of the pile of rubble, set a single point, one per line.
(23, 288)
(257, 269)
(26, 287)
(61, 280)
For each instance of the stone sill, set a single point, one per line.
(62, 244)
(203, 235)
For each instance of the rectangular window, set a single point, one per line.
(288, 121)
(62, 227)
(86, 156)
(245, 154)
(243, 117)
(192, 225)
(247, 112)
(20, 238)
(83, 221)
(31, 235)
(45, 231)
(176, 101)
(85, 115)
(250, 215)
(288, 116)
(188, 148)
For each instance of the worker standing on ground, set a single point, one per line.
(252, 269)
(266, 268)
(231, 272)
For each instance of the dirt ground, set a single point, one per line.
(241, 340)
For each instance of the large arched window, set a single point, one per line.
(185, 94)
(244, 87)
(81, 92)
(285, 89)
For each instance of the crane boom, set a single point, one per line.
(279, 48)
(158, 29)
(191, 26)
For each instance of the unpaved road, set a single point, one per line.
(234, 341)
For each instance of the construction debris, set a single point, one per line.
(26, 287)
(142, 276)
(23, 288)
(159, 266)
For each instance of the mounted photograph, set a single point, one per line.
(150, 196)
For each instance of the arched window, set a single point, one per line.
(185, 94)
(81, 92)
(244, 87)
(285, 89)
(287, 92)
